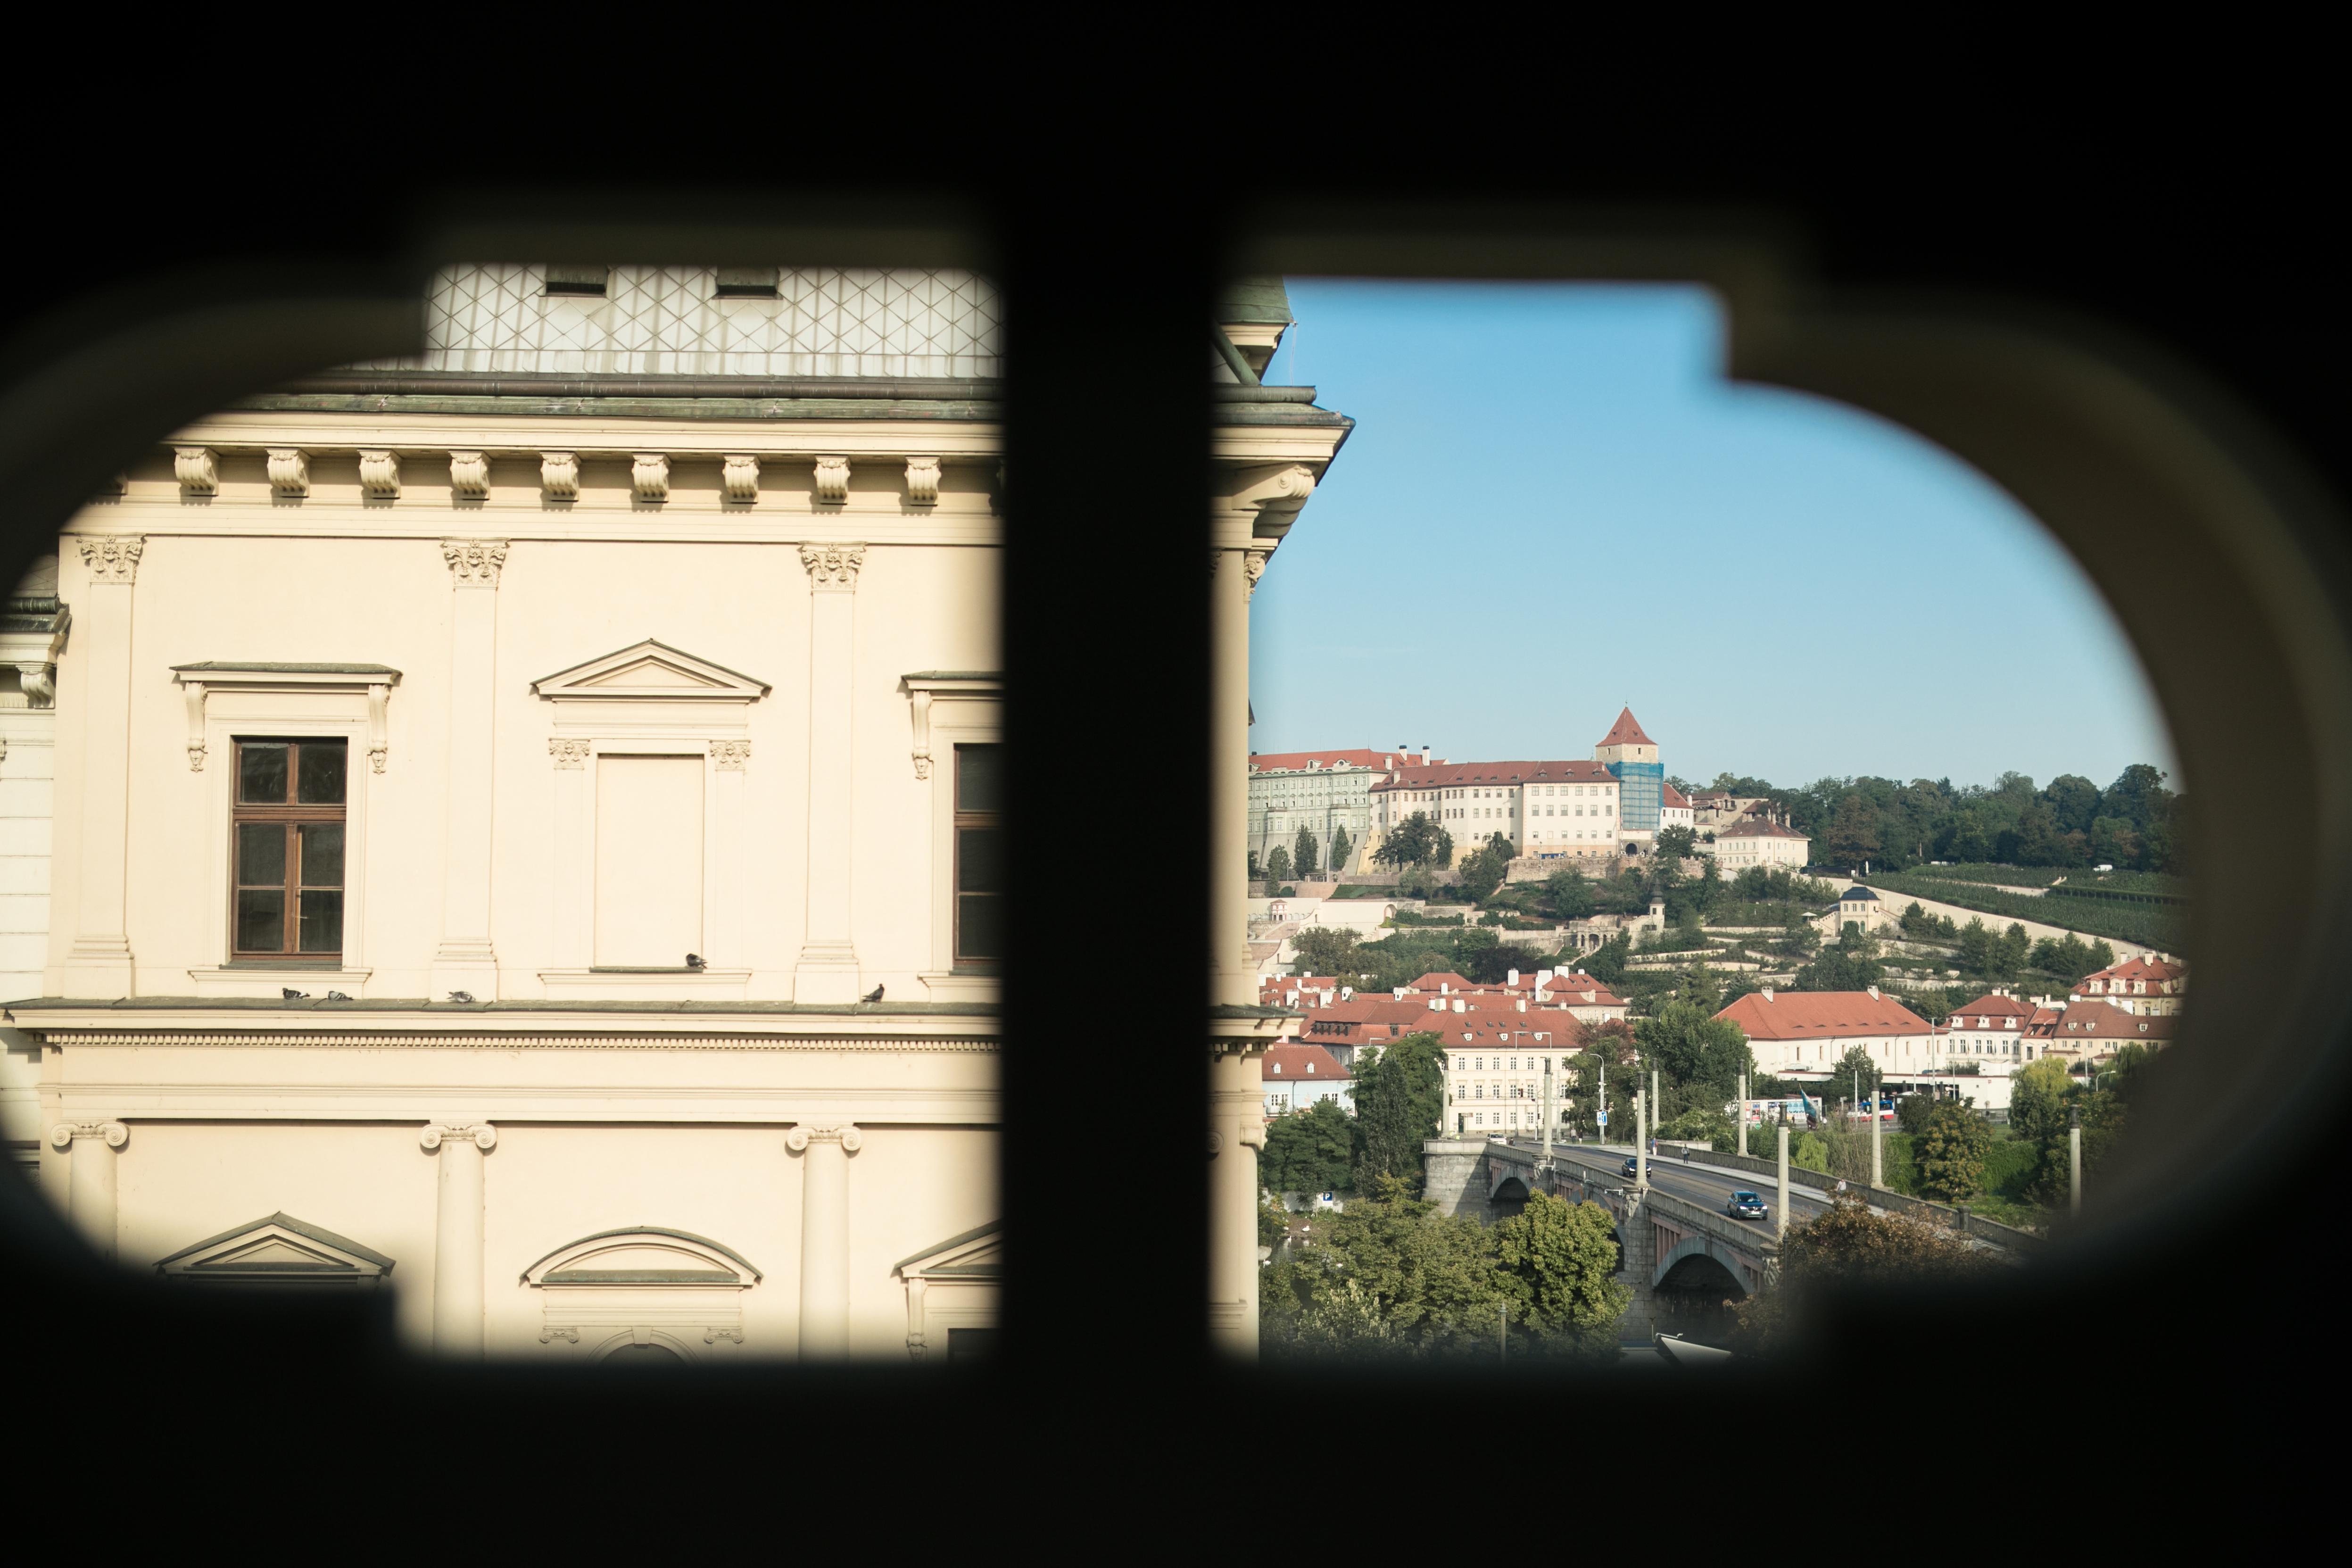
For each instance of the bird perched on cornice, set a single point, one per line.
(337, 996)
(461, 997)
(291, 994)
(694, 961)
(872, 996)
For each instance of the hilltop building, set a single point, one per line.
(1758, 842)
(2154, 984)
(1632, 758)
(1323, 792)
(1802, 1033)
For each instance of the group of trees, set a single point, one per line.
(2134, 821)
(2045, 1101)
(1389, 1278)
(1418, 840)
(1848, 1248)
(1302, 858)
(2004, 955)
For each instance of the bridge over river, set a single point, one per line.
(1683, 1255)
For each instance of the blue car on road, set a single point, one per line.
(1745, 1206)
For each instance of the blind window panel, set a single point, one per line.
(648, 861)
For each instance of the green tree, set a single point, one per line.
(1400, 1097)
(1277, 870)
(2009, 952)
(1556, 1262)
(1856, 1066)
(1677, 843)
(1606, 962)
(1852, 966)
(1691, 1048)
(1844, 1249)
(1911, 1112)
(1709, 892)
(1811, 1150)
(1412, 842)
(1950, 1152)
(1975, 948)
(1302, 852)
(1481, 874)
(1308, 1150)
(1567, 894)
(1342, 847)
(1330, 950)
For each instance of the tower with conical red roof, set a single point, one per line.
(1629, 753)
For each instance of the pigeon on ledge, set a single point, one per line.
(337, 996)
(291, 994)
(461, 997)
(694, 961)
(873, 996)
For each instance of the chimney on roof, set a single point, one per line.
(1767, 994)
(1873, 993)
(1510, 977)
(1523, 1005)
(1460, 1005)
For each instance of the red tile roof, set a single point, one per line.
(1438, 978)
(1991, 1007)
(2133, 970)
(1449, 775)
(1822, 1015)
(1756, 830)
(1626, 732)
(1296, 762)
(1676, 797)
(1310, 1063)
(2098, 1020)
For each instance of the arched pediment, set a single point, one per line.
(652, 671)
(643, 1255)
(278, 1249)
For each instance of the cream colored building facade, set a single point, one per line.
(632, 731)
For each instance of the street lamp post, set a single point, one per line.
(1782, 1228)
(1739, 1117)
(2075, 1161)
(1640, 1143)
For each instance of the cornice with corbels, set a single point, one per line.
(746, 479)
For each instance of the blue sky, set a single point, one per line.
(1555, 503)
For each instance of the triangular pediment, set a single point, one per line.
(277, 1247)
(650, 670)
(977, 1254)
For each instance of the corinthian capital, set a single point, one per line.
(112, 557)
(474, 563)
(484, 1136)
(114, 1133)
(806, 1133)
(833, 567)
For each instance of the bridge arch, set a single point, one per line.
(1675, 1268)
(1510, 1197)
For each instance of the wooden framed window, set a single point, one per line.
(287, 832)
(978, 855)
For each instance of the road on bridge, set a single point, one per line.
(1692, 1183)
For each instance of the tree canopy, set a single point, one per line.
(1415, 841)
(1309, 1151)
(1400, 1097)
(1950, 1152)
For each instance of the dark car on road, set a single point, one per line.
(1631, 1166)
(1745, 1206)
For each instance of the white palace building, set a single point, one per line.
(524, 830)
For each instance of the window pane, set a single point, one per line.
(980, 926)
(322, 772)
(980, 775)
(322, 922)
(261, 773)
(261, 921)
(980, 860)
(261, 853)
(323, 854)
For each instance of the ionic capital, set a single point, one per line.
(474, 563)
(847, 1136)
(833, 568)
(114, 1133)
(484, 1136)
(112, 557)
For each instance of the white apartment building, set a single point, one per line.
(539, 853)
(1675, 809)
(1544, 809)
(1322, 792)
(1757, 843)
(1805, 1032)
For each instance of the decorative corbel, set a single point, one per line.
(39, 681)
(832, 481)
(741, 478)
(194, 692)
(379, 473)
(923, 481)
(379, 726)
(649, 475)
(559, 476)
(921, 703)
(289, 471)
(198, 469)
(1280, 489)
(469, 475)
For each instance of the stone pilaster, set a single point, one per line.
(465, 960)
(824, 1152)
(1236, 1135)
(1233, 978)
(99, 962)
(91, 1147)
(827, 969)
(458, 1234)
